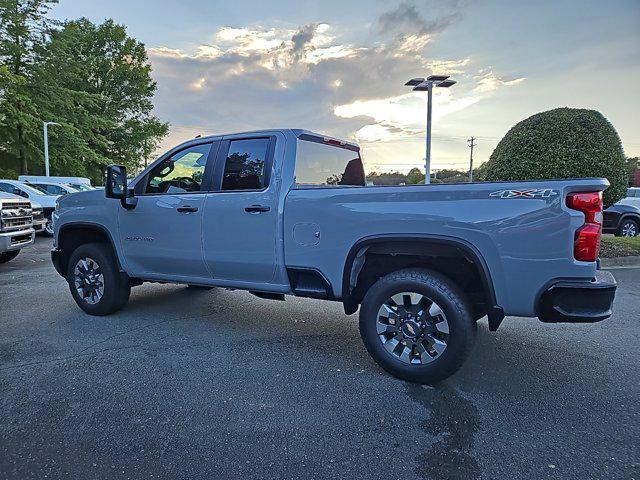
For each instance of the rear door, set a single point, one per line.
(162, 235)
(241, 214)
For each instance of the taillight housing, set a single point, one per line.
(586, 244)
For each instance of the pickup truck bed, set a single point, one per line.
(281, 212)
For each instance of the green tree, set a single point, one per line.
(415, 176)
(480, 173)
(96, 81)
(23, 25)
(562, 143)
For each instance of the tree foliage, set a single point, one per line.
(94, 80)
(561, 143)
(416, 176)
(23, 24)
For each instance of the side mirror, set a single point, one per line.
(116, 185)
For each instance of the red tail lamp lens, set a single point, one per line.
(586, 245)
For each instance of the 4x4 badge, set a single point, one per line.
(529, 193)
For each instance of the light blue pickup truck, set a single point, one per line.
(288, 212)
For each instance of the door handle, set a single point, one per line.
(187, 209)
(257, 209)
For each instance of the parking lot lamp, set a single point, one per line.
(422, 85)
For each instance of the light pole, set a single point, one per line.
(421, 85)
(46, 146)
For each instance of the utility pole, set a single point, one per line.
(46, 145)
(472, 144)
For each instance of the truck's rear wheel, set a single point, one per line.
(96, 284)
(8, 256)
(417, 325)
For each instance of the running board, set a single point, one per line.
(268, 295)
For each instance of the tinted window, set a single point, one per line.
(7, 187)
(181, 173)
(319, 164)
(245, 166)
(52, 189)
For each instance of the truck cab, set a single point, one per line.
(288, 212)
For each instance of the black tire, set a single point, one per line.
(199, 287)
(116, 285)
(452, 302)
(8, 256)
(47, 231)
(628, 228)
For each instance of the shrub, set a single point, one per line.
(562, 143)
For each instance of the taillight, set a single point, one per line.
(587, 238)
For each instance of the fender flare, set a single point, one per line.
(494, 312)
(87, 226)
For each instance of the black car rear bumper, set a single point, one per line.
(578, 301)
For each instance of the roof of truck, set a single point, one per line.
(298, 132)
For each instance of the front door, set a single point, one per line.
(241, 215)
(161, 236)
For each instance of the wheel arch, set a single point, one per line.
(411, 245)
(72, 235)
(633, 216)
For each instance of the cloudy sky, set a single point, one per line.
(338, 67)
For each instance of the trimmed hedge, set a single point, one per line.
(562, 143)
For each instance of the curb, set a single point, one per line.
(631, 261)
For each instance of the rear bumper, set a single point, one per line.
(578, 301)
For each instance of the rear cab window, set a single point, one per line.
(323, 163)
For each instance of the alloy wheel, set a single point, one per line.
(88, 280)
(629, 229)
(412, 328)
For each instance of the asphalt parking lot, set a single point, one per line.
(221, 384)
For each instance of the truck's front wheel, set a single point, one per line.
(417, 325)
(96, 284)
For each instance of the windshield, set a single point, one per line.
(34, 190)
(80, 187)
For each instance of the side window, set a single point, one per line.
(7, 187)
(245, 165)
(181, 173)
(320, 165)
(52, 189)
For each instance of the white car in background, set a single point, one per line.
(81, 184)
(45, 199)
(54, 188)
